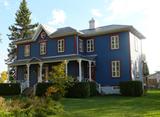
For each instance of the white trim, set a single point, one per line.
(116, 69)
(43, 48)
(90, 45)
(60, 45)
(114, 42)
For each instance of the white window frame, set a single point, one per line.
(81, 48)
(116, 69)
(90, 45)
(115, 42)
(60, 45)
(27, 50)
(43, 48)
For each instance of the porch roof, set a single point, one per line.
(51, 59)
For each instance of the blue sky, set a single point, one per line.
(142, 14)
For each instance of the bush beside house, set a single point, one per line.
(82, 90)
(10, 89)
(131, 88)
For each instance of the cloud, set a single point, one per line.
(144, 15)
(96, 13)
(58, 17)
(6, 3)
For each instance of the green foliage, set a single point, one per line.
(42, 88)
(79, 90)
(27, 107)
(145, 69)
(9, 89)
(22, 29)
(60, 81)
(131, 88)
(93, 89)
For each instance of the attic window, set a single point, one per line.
(43, 35)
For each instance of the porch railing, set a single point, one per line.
(24, 85)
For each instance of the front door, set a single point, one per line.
(33, 75)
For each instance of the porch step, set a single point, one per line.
(28, 92)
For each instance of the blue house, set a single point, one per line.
(107, 55)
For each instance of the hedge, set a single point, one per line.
(131, 88)
(7, 89)
(41, 88)
(82, 90)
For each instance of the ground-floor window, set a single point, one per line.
(115, 69)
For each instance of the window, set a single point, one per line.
(27, 50)
(114, 42)
(80, 45)
(60, 45)
(115, 68)
(43, 48)
(90, 45)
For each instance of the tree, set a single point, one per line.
(60, 82)
(3, 76)
(145, 69)
(22, 29)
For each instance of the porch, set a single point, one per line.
(30, 72)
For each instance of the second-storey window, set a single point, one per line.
(80, 45)
(27, 50)
(114, 42)
(115, 68)
(43, 48)
(90, 45)
(60, 45)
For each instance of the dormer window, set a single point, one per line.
(43, 48)
(60, 45)
(90, 45)
(114, 42)
(27, 50)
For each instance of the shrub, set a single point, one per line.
(42, 88)
(131, 88)
(79, 90)
(93, 89)
(10, 88)
(35, 107)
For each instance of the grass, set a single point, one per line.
(114, 106)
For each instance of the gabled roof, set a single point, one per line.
(64, 32)
(111, 29)
(85, 33)
(41, 27)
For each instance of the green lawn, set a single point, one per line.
(114, 106)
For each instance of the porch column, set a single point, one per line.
(66, 67)
(40, 72)
(28, 74)
(90, 73)
(80, 70)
